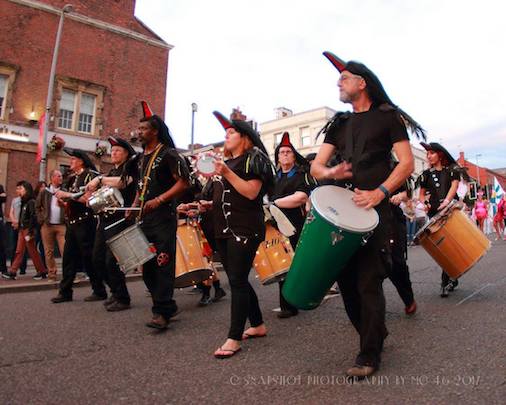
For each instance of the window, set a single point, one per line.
(67, 107)
(277, 138)
(79, 106)
(86, 113)
(3, 93)
(305, 137)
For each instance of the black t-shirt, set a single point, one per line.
(167, 164)
(287, 184)
(245, 217)
(437, 183)
(128, 193)
(374, 132)
(76, 210)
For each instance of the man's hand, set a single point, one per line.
(340, 172)
(368, 199)
(151, 205)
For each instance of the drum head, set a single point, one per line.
(205, 165)
(336, 206)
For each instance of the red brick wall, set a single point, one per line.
(129, 69)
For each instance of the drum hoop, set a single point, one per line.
(200, 159)
(332, 223)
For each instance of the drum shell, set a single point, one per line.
(273, 257)
(455, 243)
(192, 266)
(322, 252)
(131, 248)
(106, 197)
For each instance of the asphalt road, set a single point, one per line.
(451, 352)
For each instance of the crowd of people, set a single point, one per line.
(157, 188)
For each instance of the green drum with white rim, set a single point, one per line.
(334, 230)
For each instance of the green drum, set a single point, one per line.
(334, 230)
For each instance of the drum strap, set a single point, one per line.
(145, 177)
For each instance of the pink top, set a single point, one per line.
(480, 209)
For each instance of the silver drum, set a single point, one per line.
(105, 197)
(131, 248)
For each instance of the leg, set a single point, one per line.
(48, 235)
(3, 247)
(85, 233)
(99, 252)
(31, 246)
(19, 252)
(69, 262)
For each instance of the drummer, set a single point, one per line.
(291, 190)
(239, 224)
(163, 176)
(364, 139)
(123, 176)
(441, 180)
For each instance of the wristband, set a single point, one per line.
(384, 190)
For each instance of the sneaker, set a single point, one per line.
(40, 276)
(444, 290)
(219, 294)
(205, 301)
(453, 285)
(116, 306)
(9, 276)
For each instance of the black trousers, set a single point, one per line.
(3, 247)
(237, 259)
(105, 262)
(284, 304)
(361, 286)
(159, 273)
(78, 251)
(399, 273)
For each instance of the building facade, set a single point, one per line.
(303, 128)
(101, 76)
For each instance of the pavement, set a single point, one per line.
(450, 352)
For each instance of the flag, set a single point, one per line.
(41, 138)
(498, 190)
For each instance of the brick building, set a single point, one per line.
(108, 61)
(482, 176)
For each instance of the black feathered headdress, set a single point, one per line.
(375, 90)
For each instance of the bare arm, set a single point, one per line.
(292, 201)
(319, 169)
(247, 188)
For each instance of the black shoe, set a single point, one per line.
(109, 301)
(40, 276)
(117, 306)
(219, 294)
(95, 297)
(205, 301)
(60, 298)
(444, 290)
(22, 272)
(9, 276)
(452, 285)
(286, 313)
(158, 322)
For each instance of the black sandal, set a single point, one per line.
(227, 356)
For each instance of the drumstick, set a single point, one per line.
(122, 209)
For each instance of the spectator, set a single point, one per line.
(408, 209)
(14, 218)
(26, 233)
(3, 233)
(50, 215)
(420, 214)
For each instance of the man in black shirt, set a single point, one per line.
(364, 139)
(123, 176)
(80, 232)
(291, 192)
(163, 177)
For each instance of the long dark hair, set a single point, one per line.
(28, 188)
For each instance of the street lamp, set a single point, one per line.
(194, 110)
(478, 169)
(43, 161)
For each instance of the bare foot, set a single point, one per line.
(230, 345)
(257, 331)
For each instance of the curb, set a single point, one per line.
(28, 287)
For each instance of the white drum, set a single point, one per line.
(104, 198)
(205, 164)
(131, 248)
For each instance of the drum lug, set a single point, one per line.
(336, 237)
(309, 217)
(365, 238)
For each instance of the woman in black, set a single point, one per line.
(239, 225)
(441, 180)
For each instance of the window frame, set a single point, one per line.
(302, 136)
(10, 72)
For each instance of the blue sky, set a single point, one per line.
(444, 62)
